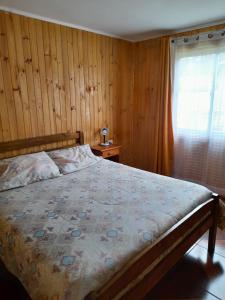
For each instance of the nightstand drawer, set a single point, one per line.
(110, 152)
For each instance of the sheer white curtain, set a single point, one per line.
(199, 111)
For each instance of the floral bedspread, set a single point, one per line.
(67, 236)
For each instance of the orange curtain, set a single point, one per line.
(165, 131)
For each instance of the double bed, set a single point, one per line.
(107, 231)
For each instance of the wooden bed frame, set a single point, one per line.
(183, 235)
(201, 219)
(20, 144)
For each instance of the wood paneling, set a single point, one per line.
(55, 79)
(146, 102)
(125, 118)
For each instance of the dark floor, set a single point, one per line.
(195, 277)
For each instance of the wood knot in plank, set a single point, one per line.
(16, 89)
(28, 60)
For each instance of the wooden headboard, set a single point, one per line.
(42, 140)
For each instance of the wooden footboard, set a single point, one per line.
(146, 271)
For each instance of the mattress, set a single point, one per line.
(68, 236)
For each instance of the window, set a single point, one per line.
(199, 113)
(201, 92)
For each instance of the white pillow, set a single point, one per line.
(25, 169)
(73, 159)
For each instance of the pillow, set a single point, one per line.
(74, 159)
(24, 169)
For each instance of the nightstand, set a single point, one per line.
(111, 152)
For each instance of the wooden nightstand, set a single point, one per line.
(111, 152)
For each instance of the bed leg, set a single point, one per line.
(213, 228)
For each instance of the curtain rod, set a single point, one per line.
(195, 37)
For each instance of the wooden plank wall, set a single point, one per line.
(56, 79)
(125, 111)
(146, 103)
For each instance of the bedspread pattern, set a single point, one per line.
(67, 236)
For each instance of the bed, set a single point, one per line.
(108, 231)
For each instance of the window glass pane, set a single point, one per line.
(192, 110)
(194, 77)
(218, 121)
(196, 73)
